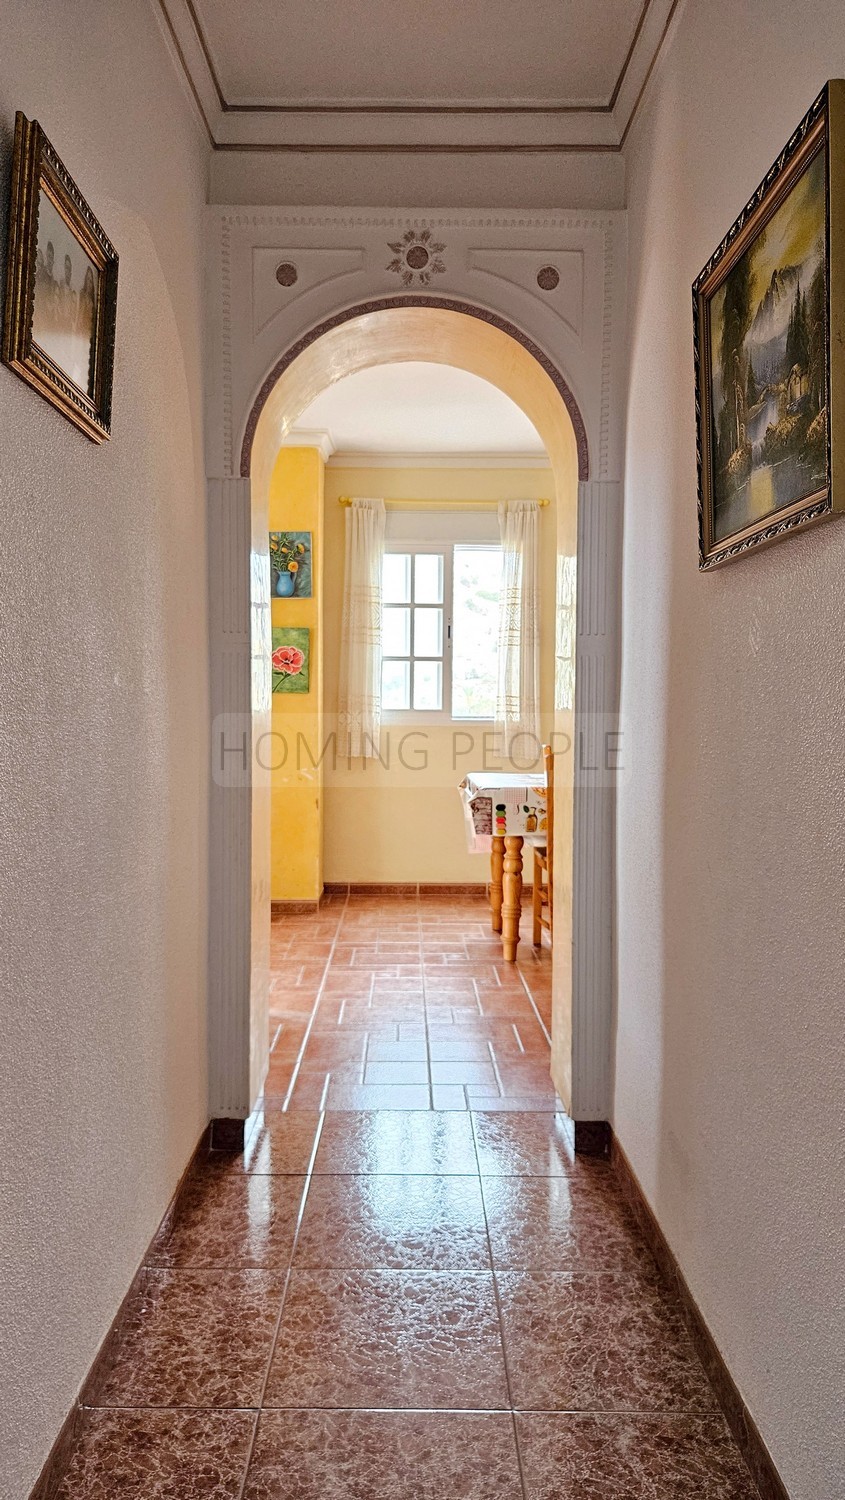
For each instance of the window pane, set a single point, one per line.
(428, 685)
(428, 632)
(396, 577)
(475, 627)
(396, 631)
(428, 578)
(395, 684)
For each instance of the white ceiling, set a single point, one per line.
(418, 409)
(541, 52)
(388, 75)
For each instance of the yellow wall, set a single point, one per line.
(296, 868)
(405, 824)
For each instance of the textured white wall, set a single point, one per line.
(730, 1073)
(103, 658)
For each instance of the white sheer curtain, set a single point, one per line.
(518, 687)
(359, 706)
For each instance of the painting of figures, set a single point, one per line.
(763, 351)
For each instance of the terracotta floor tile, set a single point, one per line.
(388, 1339)
(382, 1073)
(412, 1142)
(572, 1223)
(157, 1455)
(367, 1455)
(343, 1096)
(524, 1144)
(331, 1051)
(599, 1342)
(194, 1338)
(393, 1222)
(643, 1457)
(448, 1096)
(457, 1048)
(228, 1221)
(405, 1049)
(513, 1103)
(481, 1074)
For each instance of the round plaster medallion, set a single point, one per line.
(286, 273)
(416, 257)
(548, 278)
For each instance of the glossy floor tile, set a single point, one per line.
(630, 1458)
(406, 1287)
(327, 1455)
(389, 1339)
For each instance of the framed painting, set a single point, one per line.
(769, 316)
(291, 659)
(290, 564)
(61, 287)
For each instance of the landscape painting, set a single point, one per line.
(762, 357)
(291, 659)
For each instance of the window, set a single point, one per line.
(440, 630)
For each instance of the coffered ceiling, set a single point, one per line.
(472, 75)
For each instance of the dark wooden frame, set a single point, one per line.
(822, 129)
(37, 170)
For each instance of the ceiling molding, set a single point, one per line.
(382, 460)
(447, 126)
(310, 437)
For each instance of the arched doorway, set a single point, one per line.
(386, 331)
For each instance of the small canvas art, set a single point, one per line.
(290, 564)
(291, 659)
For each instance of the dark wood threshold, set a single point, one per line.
(59, 1456)
(592, 1138)
(739, 1418)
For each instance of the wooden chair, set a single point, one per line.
(542, 897)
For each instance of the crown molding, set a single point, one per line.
(431, 126)
(380, 460)
(310, 437)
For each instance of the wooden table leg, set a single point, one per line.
(511, 896)
(497, 855)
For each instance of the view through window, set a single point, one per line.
(440, 630)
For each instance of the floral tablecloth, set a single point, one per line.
(503, 803)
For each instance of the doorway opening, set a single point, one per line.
(396, 335)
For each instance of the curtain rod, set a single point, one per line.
(346, 500)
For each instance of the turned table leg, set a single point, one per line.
(497, 855)
(511, 895)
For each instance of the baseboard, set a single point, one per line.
(59, 1456)
(294, 908)
(409, 888)
(739, 1418)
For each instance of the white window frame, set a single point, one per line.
(446, 551)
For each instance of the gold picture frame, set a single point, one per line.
(769, 344)
(61, 287)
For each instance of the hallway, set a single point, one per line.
(407, 1288)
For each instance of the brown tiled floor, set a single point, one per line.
(406, 1288)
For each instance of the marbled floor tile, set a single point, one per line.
(366, 1455)
(570, 1457)
(194, 1338)
(535, 1144)
(598, 1342)
(388, 1339)
(159, 1455)
(222, 1221)
(280, 1145)
(394, 1223)
(412, 1142)
(570, 1223)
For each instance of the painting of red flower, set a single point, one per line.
(288, 659)
(291, 659)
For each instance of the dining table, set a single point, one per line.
(504, 810)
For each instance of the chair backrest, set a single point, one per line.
(549, 769)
